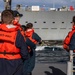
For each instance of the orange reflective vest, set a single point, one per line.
(29, 34)
(8, 50)
(16, 23)
(68, 38)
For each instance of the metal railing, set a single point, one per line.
(70, 64)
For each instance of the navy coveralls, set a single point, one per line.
(15, 67)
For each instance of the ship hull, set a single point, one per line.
(50, 25)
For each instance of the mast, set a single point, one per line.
(7, 4)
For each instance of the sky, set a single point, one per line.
(45, 3)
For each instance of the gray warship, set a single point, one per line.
(52, 27)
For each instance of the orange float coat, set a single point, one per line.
(29, 34)
(8, 50)
(68, 39)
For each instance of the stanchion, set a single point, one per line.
(69, 68)
(70, 64)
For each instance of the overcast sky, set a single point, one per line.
(47, 3)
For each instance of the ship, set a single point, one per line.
(52, 27)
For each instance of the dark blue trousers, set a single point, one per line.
(11, 67)
(29, 64)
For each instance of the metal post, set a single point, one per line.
(7, 4)
(69, 68)
(71, 55)
(70, 64)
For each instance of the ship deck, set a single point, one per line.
(51, 62)
(50, 69)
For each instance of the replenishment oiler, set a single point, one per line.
(52, 26)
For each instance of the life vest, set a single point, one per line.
(29, 34)
(68, 38)
(8, 50)
(16, 23)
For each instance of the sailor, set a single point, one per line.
(31, 46)
(69, 41)
(34, 37)
(13, 49)
(17, 17)
(29, 43)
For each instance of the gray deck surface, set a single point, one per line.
(50, 69)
